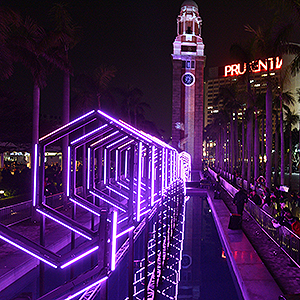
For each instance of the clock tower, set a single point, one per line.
(188, 70)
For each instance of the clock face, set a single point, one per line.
(188, 79)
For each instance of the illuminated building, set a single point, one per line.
(227, 75)
(188, 65)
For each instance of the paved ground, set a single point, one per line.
(285, 274)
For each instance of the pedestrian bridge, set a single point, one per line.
(129, 208)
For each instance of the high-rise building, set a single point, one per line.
(188, 73)
(227, 75)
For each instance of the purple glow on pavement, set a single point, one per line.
(103, 139)
(27, 251)
(79, 257)
(85, 207)
(69, 171)
(63, 224)
(74, 121)
(114, 241)
(125, 231)
(138, 208)
(88, 134)
(34, 196)
(117, 192)
(86, 288)
(107, 201)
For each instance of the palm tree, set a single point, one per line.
(270, 41)
(291, 119)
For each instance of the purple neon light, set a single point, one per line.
(121, 221)
(124, 232)
(152, 175)
(116, 142)
(126, 162)
(34, 196)
(74, 121)
(114, 241)
(138, 207)
(117, 165)
(105, 166)
(105, 200)
(86, 288)
(163, 170)
(79, 257)
(85, 207)
(125, 125)
(88, 167)
(63, 224)
(105, 138)
(69, 171)
(123, 185)
(88, 134)
(145, 212)
(125, 145)
(27, 251)
(119, 193)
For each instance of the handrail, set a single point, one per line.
(287, 240)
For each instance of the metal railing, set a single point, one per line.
(282, 236)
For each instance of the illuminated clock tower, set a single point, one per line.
(188, 70)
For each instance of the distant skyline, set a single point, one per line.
(137, 38)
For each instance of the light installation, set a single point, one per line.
(113, 147)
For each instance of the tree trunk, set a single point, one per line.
(256, 148)
(65, 141)
(281, 146)
(268, 136)
(290, 156)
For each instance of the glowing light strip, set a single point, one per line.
(166, 168)
(27, 251)
(114, 241)
(59, 129)
(88, 134)
(117, 165)
(34, 196)
(121, 221)
(123, 185)
(120, 194)
(145, 212)
(79, 257)
(69, 171)
(105, 162)
(85, 207)
(124, 232)
(125, 125)
(163, 170)
(116, 142)
(126, 163)
(138, 207)
(86, 288)
(123, 146)
(63, 224)
(105, 200)
(88, 167)
(105, 138)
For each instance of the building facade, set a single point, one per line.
(225, 76)
(188, 91)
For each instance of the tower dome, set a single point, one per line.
(189, 3)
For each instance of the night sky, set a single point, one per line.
(136, 37)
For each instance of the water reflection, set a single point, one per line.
(205, 273)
